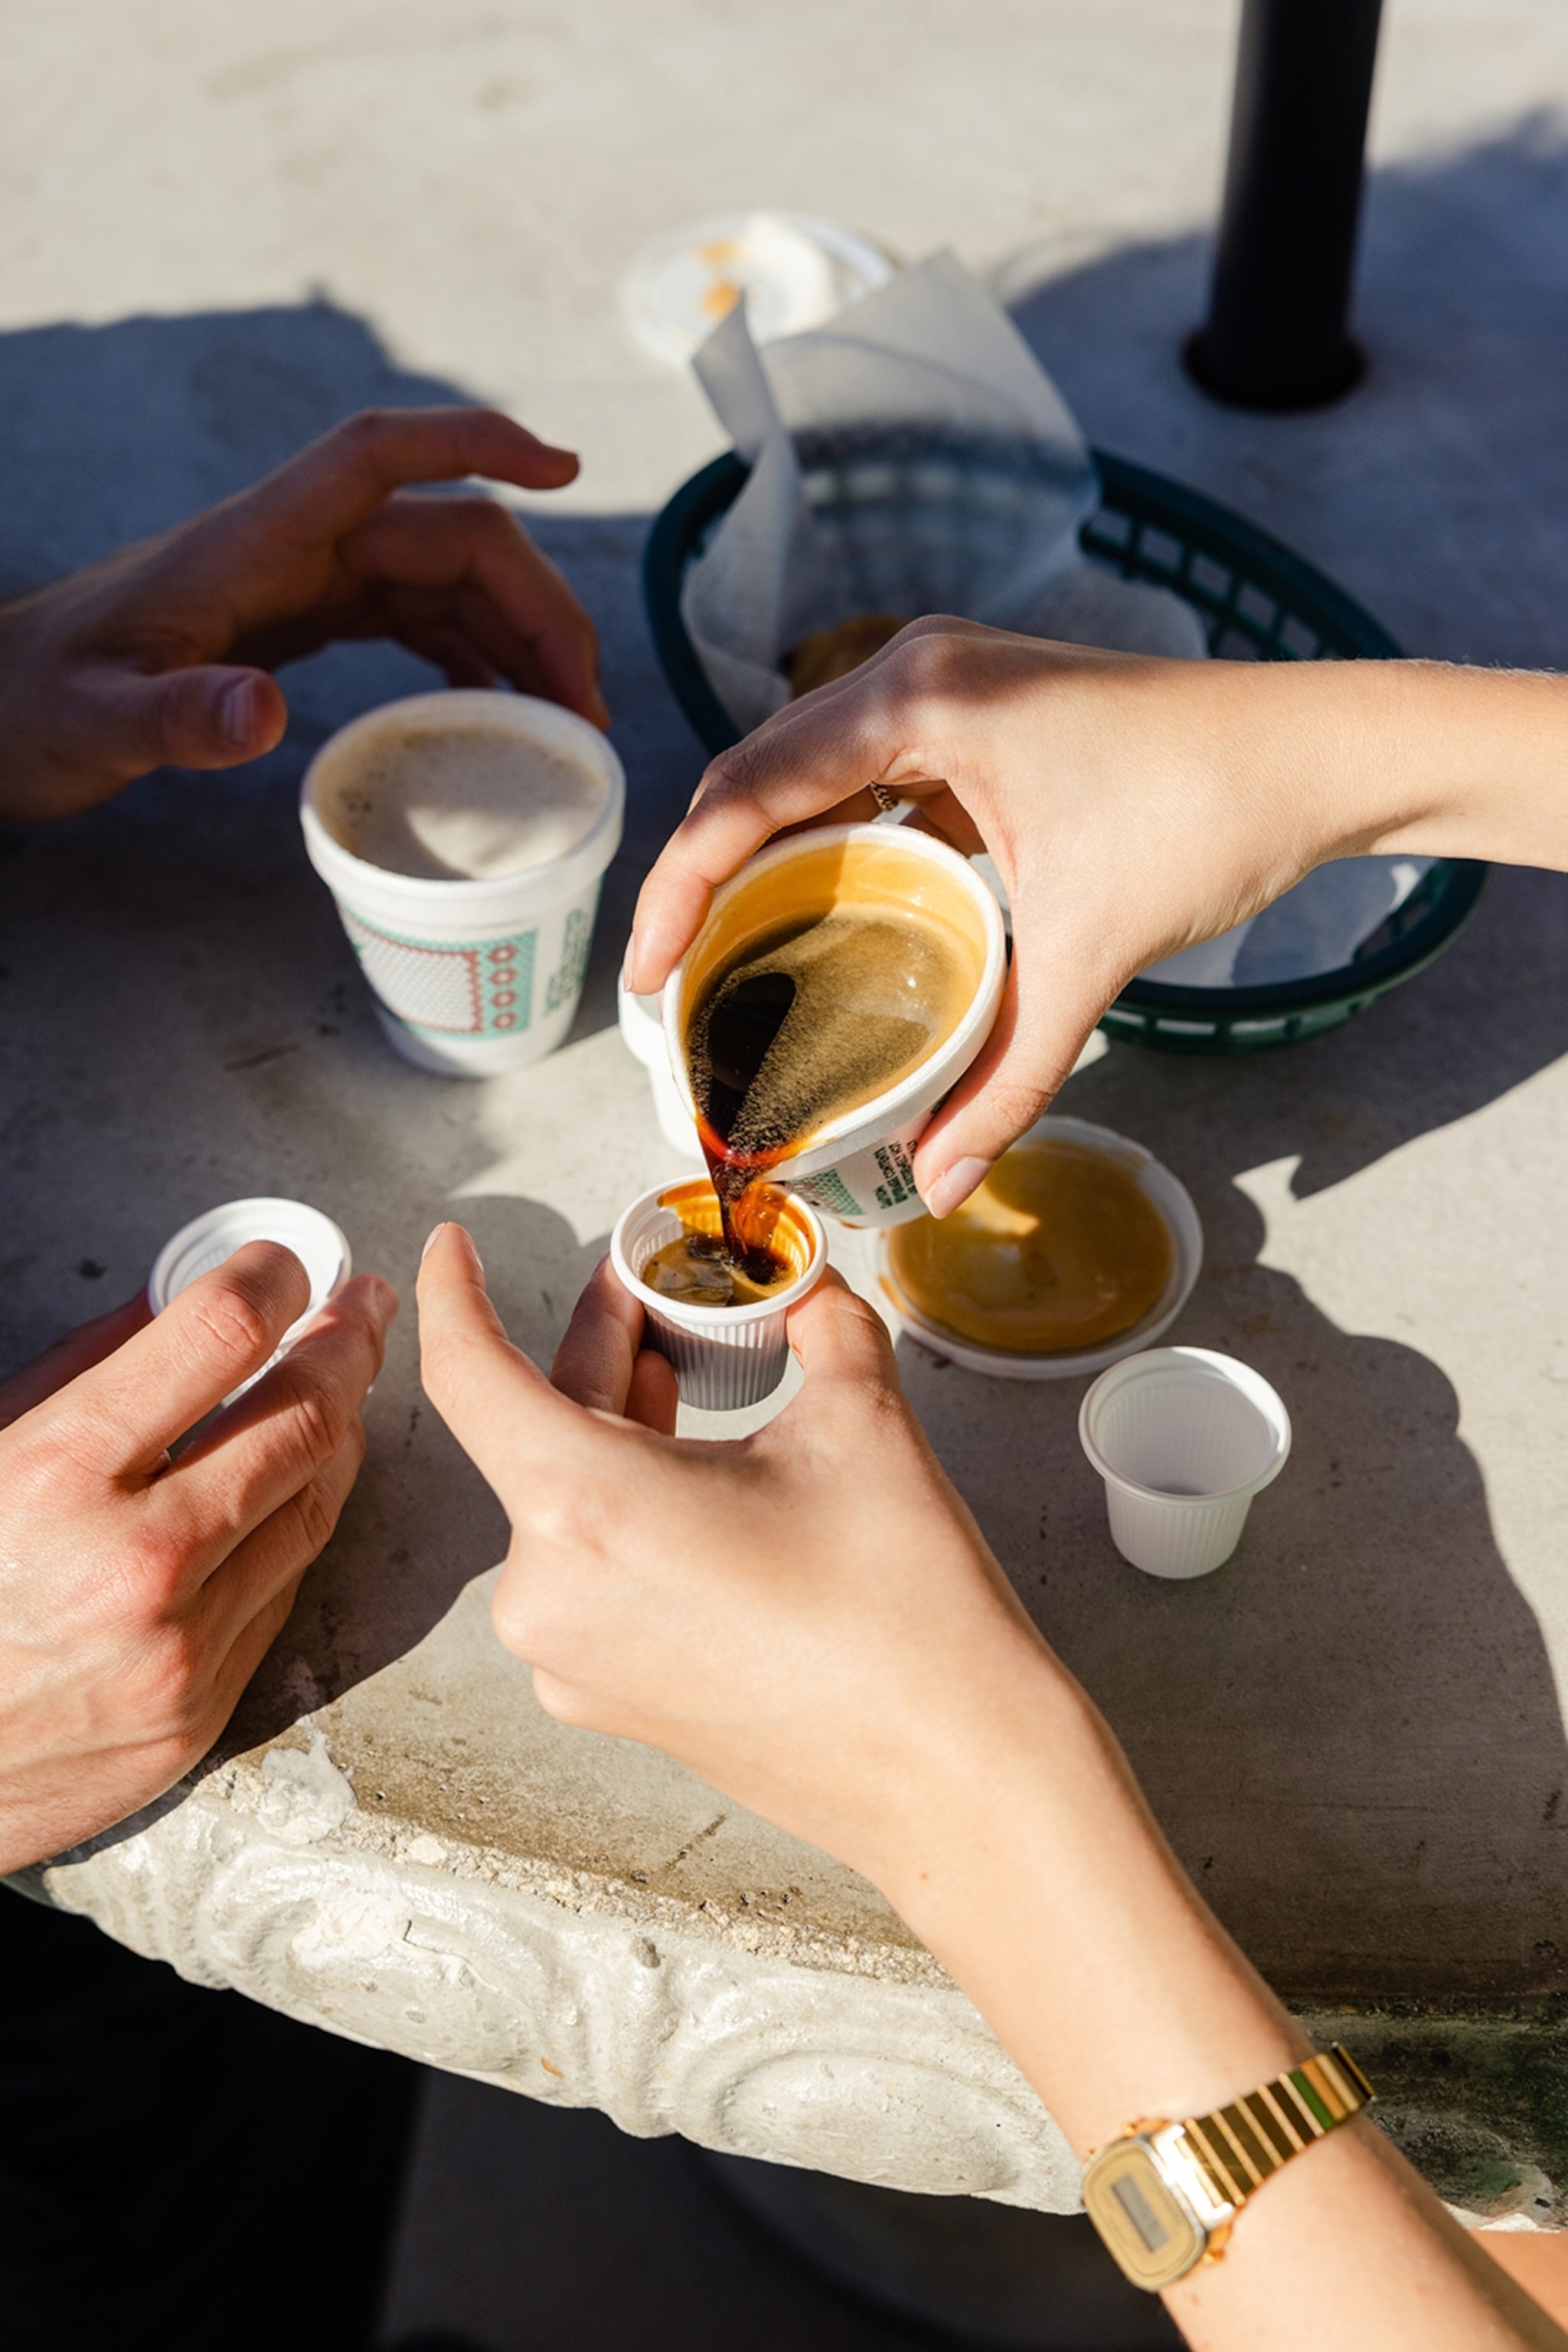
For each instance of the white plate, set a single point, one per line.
(792, 270)
(1173, 1203)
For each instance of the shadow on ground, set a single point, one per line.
(1437, 493)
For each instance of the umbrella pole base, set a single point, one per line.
(1264, 391)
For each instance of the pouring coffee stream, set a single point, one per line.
(839, 985)
(740, 1031)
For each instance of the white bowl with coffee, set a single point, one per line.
(464, 836)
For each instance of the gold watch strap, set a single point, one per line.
(1239, 2146)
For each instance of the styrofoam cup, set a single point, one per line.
(211, 1239)
(1184, 1438)
(860, 1166)
(642, 1033)
(724, 1357)
(470, 977)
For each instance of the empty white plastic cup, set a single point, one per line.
(1184, 1438)
(724, 1357)
(209, 1240)
(860, 1166)
(470, 977)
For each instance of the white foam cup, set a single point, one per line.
(470, 977)
(860, 1166)
(642, 1032)
(724, 1357)
(1184, 1438)
(209, 1240)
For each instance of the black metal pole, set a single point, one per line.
(1276, 335)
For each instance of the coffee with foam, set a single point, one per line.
(460, 800)
(821, 986)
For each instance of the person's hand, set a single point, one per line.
(808, 1617)
(1132, 806)
(161, 654)
(138, 1593)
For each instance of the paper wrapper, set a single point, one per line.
(913, 456)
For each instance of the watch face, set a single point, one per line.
(1145, 2224)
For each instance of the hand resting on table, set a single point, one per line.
(139, 1593)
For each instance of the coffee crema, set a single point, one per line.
(798, 1020)
(698, 1268)
(1059, 1248)
(460, 801)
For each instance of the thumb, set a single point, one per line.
(210, 717)
(1039, 1034)
(838, 1336)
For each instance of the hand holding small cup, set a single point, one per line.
(734, 1603)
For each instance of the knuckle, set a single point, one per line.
(364, 430)
(170, 1685)
(232, 1323)
(150, 1567)
(1019, 1101)
(314, 1411)
(570, 1524)
(733, 773)
(314, 1510)
(922, 664)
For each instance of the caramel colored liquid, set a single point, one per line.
(1058, 1249)
(698, 1266)
(698, 1269)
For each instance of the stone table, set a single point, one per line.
(1351, 1733)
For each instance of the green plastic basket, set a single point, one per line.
(1258, 602)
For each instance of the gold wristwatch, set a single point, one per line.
(1164, 2195)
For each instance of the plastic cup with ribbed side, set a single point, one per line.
(463, 836)
(1183, 1439)
(725, 1357)
(209, 1240)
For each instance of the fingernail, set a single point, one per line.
(429, 1239)
(238, 713)
(956, 1185)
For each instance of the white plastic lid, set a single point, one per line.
(321, 1246)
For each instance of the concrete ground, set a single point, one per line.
(225, 226)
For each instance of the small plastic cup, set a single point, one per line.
(321, 1246)
(1184, 1438)
(859, 1167)
(725, 1357)
(470, 977)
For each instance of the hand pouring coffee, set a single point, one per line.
(841, 985)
